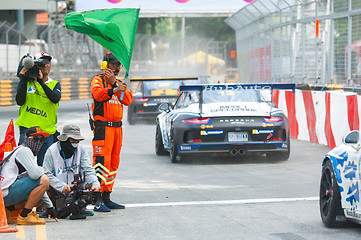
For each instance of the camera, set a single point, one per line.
(77, 200)
(33, 66)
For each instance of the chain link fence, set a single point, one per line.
(302, 41)
(77, 56)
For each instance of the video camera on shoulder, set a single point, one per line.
(77, 200)
(32, 64)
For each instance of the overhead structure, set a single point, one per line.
(168, 8)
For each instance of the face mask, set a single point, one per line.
(75, 145)
(67, 148)
(34, 145)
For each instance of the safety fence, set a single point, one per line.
(301, 41)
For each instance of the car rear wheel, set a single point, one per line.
(159, 146)
(173, 151)
(330, 202)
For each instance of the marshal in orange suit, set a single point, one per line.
(107, 109)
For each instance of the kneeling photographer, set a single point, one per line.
(38, 97)
(65, 161)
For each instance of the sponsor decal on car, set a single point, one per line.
(205, 133)
(149, 104)
(233, 108)
(185, 148)
(206, 126)
(264, 131)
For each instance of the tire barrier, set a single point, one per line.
(7, 92)
(71, 89)
(323, 117)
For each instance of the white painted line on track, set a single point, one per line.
(223, 202)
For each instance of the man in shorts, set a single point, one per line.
(23, 182)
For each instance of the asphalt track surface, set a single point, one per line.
(202, 198)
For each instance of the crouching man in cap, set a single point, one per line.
(23, 182)
(65, 159)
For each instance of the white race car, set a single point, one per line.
(340, 182)
(233, 119)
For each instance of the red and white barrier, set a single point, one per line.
(319, 116)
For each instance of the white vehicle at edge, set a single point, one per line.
(340, 182)
(233, 119)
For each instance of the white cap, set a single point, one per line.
(42, 55)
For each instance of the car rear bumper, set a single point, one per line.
(237, 148)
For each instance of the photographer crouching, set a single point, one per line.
(38, 97)
(64, 162)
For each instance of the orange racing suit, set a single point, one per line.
(107, 141)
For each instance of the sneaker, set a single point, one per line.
(43, 215)
(9, 217)
(31, 219)
(41, 208)
(101, 208)
(113, 205)
(77, 216)
(87, 212)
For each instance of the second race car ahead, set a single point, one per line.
(234, 119)
(150, 93)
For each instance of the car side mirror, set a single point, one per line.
(351, 138)
(272, 104)
(165, 107)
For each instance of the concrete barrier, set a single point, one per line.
(322, 117)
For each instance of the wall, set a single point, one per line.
(323, 117)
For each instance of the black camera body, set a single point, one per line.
(77, 200)
(34, 71)
(33, 66)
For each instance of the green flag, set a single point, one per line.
(114, 29)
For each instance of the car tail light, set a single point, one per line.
(271, 119)
(141, 99)
(195, 140)
(277, 139)
(197, 121)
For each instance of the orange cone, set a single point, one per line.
(8, 147)
(4, 227)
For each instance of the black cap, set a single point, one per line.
(36, 131)
(110, 58)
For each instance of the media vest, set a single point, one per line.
(9, 173)
(65, 169)
(38, 108)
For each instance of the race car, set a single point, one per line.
(235, 119)
(150, 93)
(340, 182)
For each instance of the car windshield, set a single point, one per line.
(211, 96)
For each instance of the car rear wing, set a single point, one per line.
(217, 87)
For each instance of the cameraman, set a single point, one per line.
(38, 97)
(63, 160)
